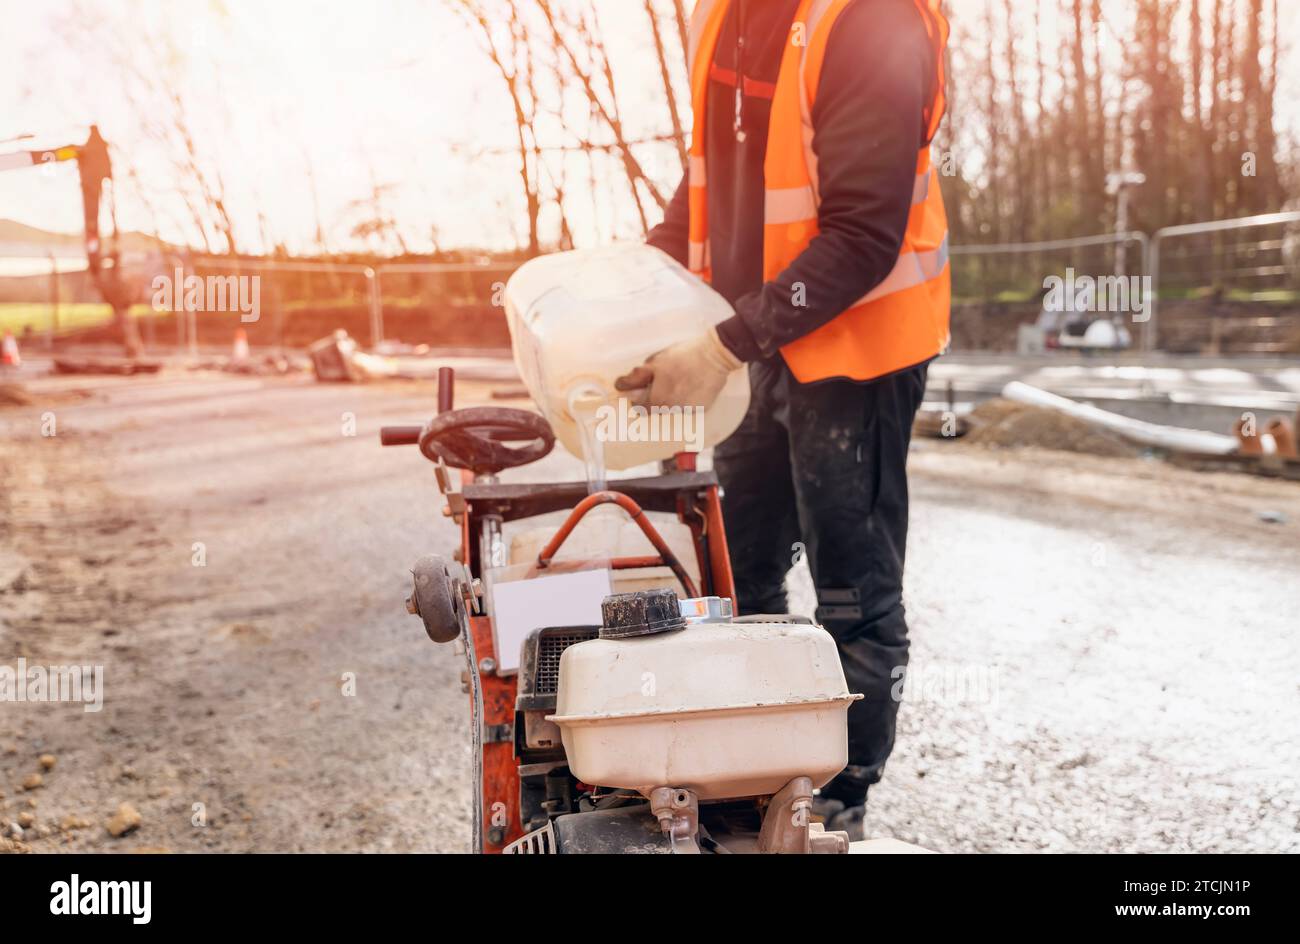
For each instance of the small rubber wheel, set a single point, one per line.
(437, 597)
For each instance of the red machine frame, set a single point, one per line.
(694, 496)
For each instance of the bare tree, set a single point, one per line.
(376, 223)
(666, 76)
(505, 54)
(608, 111)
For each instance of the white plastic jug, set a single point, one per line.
(579, 320)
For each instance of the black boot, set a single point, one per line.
(836, 816)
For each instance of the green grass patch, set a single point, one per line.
(14, 316)
(1277, 296)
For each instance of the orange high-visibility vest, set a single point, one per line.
(903, 320)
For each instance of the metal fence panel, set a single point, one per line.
(1204, 260)
(978, 276)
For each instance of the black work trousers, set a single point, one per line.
(821, 470)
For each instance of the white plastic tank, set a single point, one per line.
(581, 319)
(725, 709)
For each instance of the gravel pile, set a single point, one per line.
(1005, 424)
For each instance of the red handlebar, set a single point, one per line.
(400, 435)
(666, 555)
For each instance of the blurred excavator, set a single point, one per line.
(104, 264)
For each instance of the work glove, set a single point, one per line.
(688, 374)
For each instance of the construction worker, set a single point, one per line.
(811, 206)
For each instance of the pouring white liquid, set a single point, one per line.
(579, 320)
(584, 402)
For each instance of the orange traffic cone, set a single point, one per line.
(9, 356)
(239, 352)
(1249, 443)
(1283, 436)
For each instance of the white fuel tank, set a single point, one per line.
(723, 708)
(579, 320)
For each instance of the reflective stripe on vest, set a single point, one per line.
(904, 319)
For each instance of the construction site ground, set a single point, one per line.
(1105, 649)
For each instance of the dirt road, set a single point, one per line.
(1106, 652)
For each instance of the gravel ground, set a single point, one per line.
(1105, 659)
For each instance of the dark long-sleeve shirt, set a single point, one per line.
(867, 129)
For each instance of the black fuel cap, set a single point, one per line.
(641, 613)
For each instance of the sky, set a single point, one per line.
(394, 92)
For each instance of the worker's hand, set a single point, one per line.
(688, 374)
